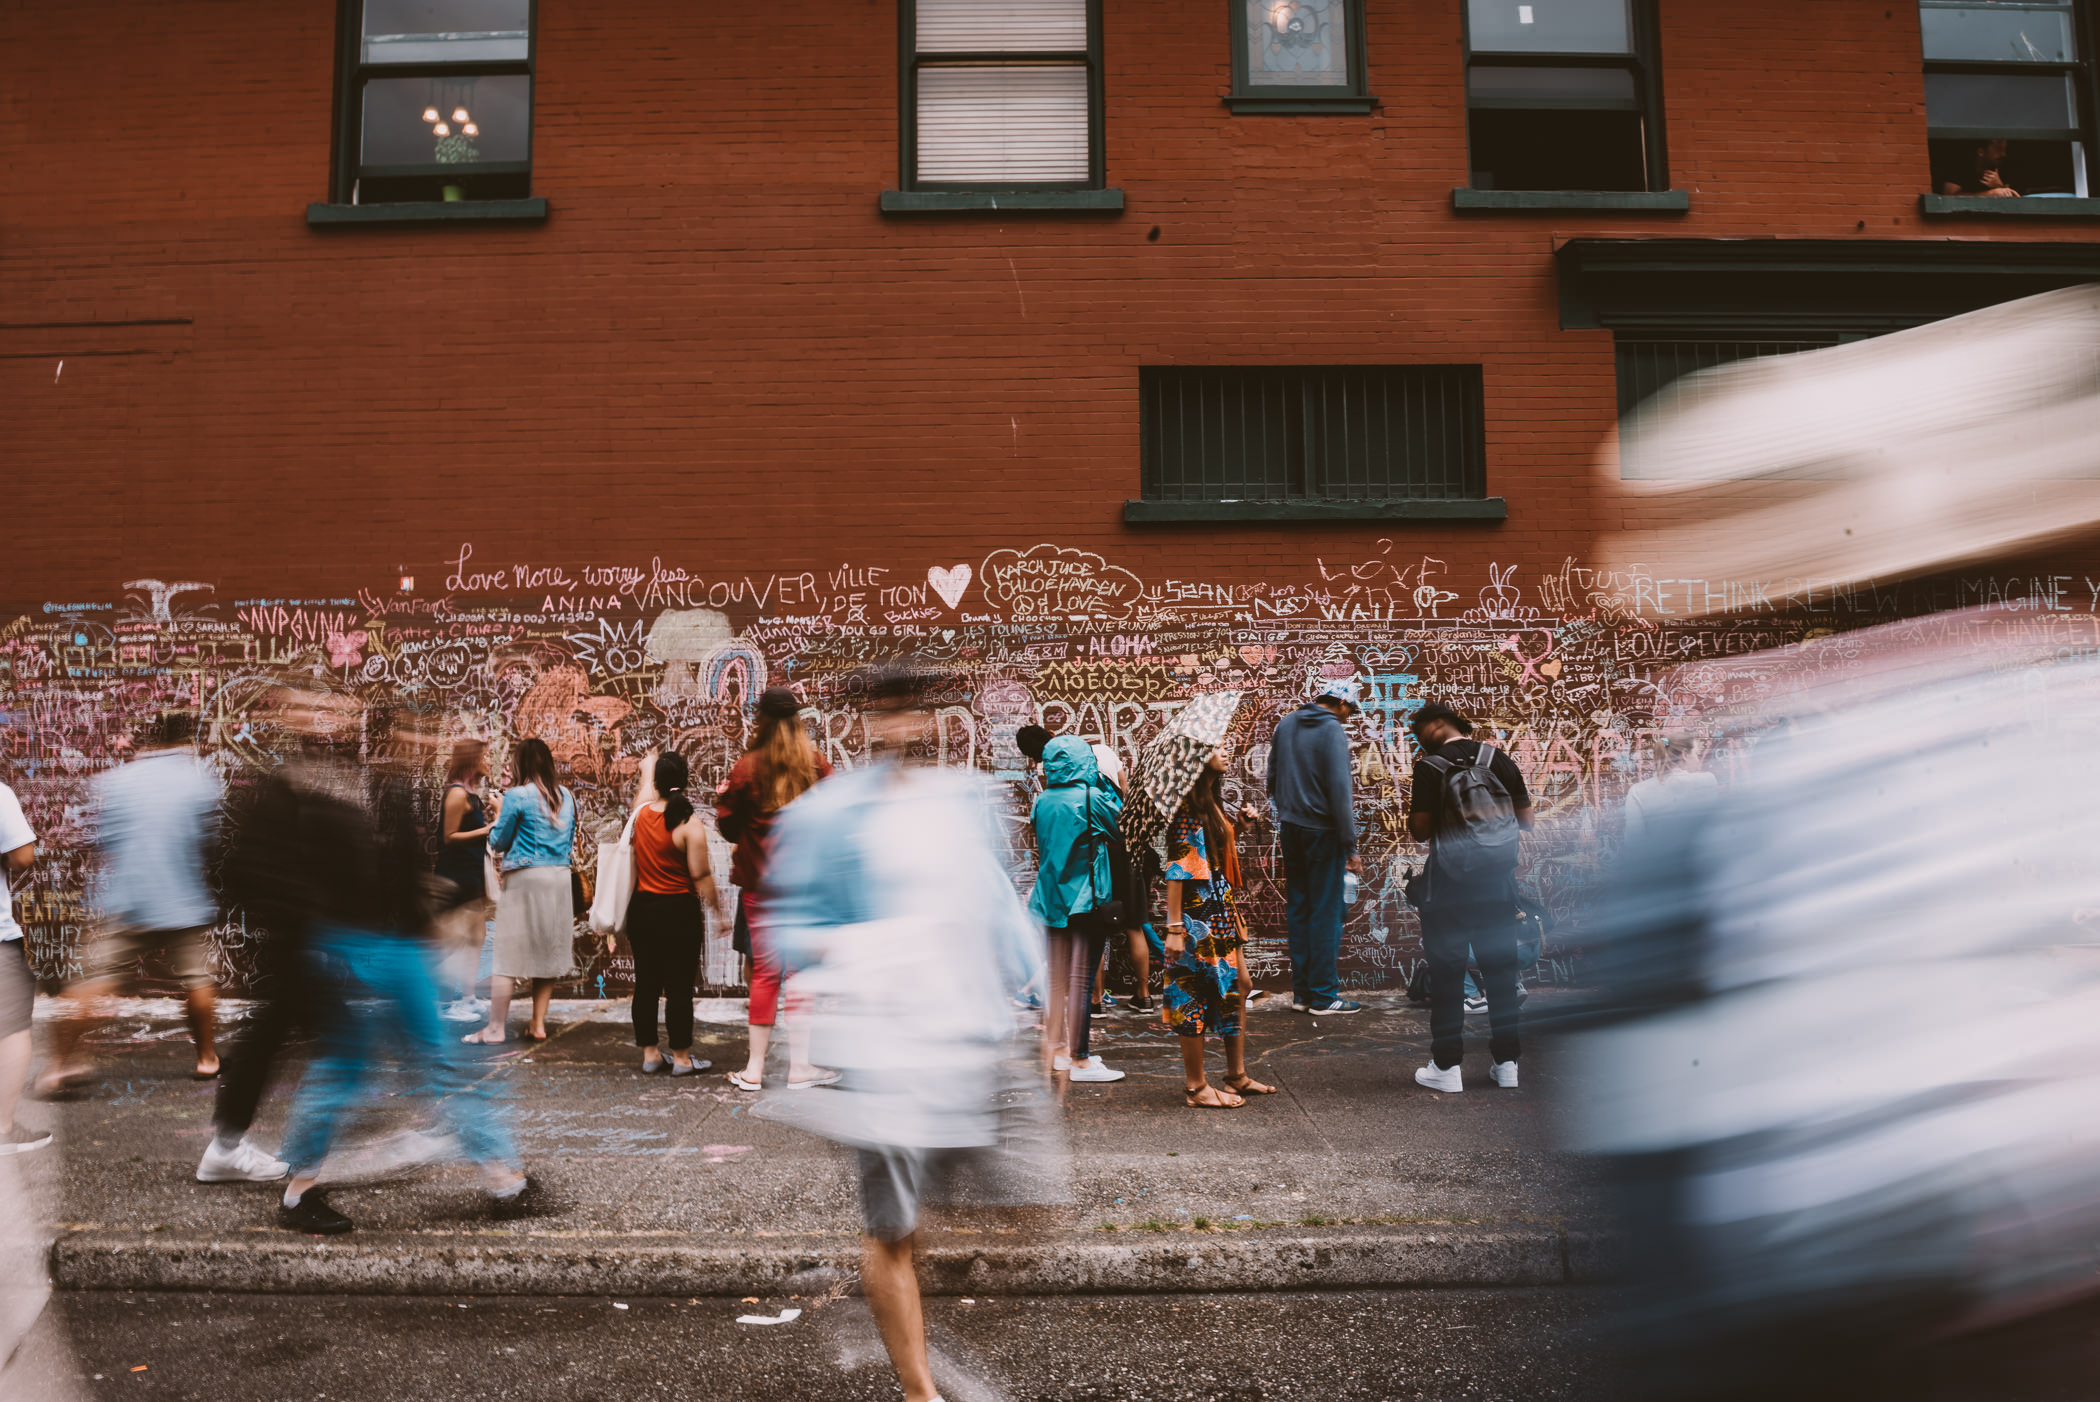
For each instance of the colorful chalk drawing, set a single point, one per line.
(608, 660)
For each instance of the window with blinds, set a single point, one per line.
(1279, 434)
(1002, 94)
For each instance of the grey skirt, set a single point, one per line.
(535, 924)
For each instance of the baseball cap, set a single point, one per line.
(1342, 689)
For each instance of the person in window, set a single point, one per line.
(1979, 175)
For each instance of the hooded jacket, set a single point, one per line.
(1309, 777)
(1073, 872)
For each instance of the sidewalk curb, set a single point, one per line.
(410, 1265)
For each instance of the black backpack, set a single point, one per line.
(1476, 839)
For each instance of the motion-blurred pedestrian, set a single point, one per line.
(1679, 783)
(377, 986)
(156, 818)
(535, 915)
(886, 889)
(462, 864)
(17, 983)
(674, 888)
(1310, 782)
(1468, 801)
(1074, 897)
(780, 766)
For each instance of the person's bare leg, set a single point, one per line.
(1141, 960)
(542, 995)
(1194, 1082)
(202, 1008)
(64, 1066)
(499, 1013)
(761, 1035)
(893, 1298)
(15, 1052)
(1057, 1020)
(800, 1067)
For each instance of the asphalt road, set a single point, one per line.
(1506, 1345)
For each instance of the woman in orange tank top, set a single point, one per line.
(666, 920)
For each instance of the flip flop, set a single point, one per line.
(828, 1079)
(475, 1039)
(736, 1078)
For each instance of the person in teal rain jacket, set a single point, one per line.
(1075, 816)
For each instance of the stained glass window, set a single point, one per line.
(1297, 43)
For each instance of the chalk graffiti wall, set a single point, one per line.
(1570, 669)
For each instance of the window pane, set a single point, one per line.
(2002, 103)
(447, 31)
(416, 121)
(1550, 27)
(2011, 33)
(1001, 26)
(1005, 124)
(1518, 149)
(1297, 43)
(1551, 87)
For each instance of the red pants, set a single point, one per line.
(765, 964)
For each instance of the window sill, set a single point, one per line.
(1001, 201)
(1252, 106)
(2010, 206)
(532, 211)
(1655, 201)
(1408, 509)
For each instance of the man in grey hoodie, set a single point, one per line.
(1309, 782)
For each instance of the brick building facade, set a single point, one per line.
(714, 416)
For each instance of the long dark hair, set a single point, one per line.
(670, 778)
(787, 758)
(1206, 803)
(534, 765)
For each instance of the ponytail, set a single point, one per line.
(671, 777)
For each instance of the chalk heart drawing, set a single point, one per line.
(1048, 581)
(951, 585)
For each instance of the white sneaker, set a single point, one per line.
(243, 1163)
(1443, 1078)
(1504, 1074)
(1061, 1063)
(464, 1010)
(1095, 1069)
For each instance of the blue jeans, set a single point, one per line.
(356, 969)
(1312, 910)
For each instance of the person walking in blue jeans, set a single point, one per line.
(1310, 784)
(361, 866)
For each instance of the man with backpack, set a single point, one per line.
(1471, 806)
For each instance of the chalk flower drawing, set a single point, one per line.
(615, 650)
(1048, 581)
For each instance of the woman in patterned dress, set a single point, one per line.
(1205, 992)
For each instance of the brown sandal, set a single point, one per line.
(1247, 1085)
(1192, 1098)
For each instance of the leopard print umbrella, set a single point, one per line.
(1167, 770)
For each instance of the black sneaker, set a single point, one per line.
(1140, 1007)
(313, 1216)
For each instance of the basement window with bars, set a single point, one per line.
(1564, 95)
(1001, 94)
(2008, 96)
(1653, 382)
(436, 101)
(1282, 435)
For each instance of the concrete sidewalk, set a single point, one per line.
(1353, 1176)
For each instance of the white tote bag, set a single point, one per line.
(615, 884)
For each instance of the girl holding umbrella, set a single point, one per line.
(1175, 821)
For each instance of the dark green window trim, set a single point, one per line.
(1483, 509)
(1247, 100)
(1002, 201)
(1645, 62)
(908, 110)
(532, 211)
(345, 170)
(2010, 206)
(1658, 201)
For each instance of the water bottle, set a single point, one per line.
(1350, 885)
